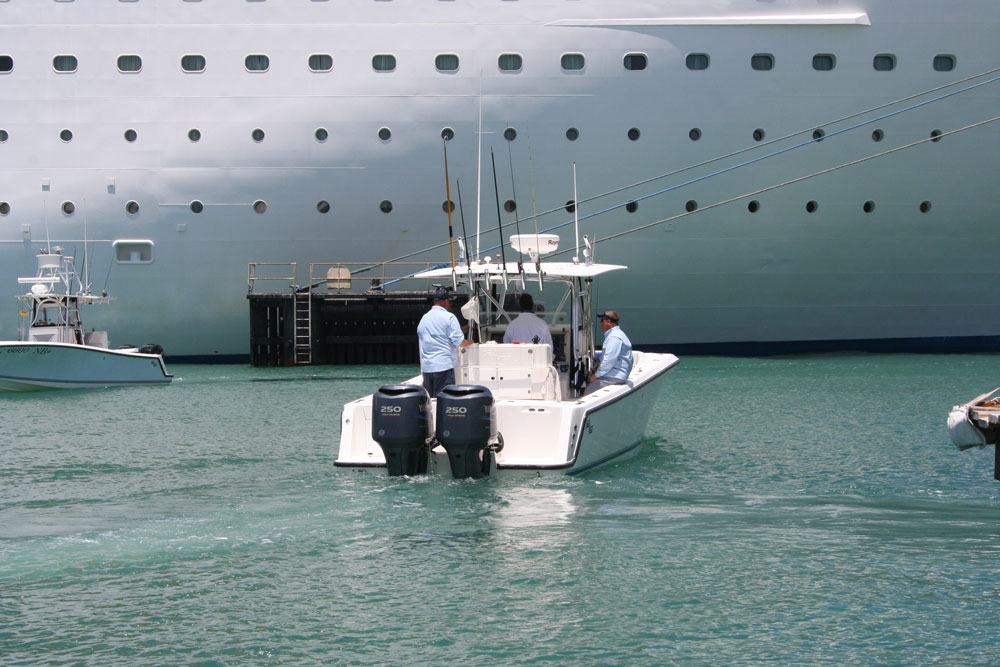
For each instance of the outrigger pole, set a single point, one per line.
(448, 205)
(517, 223)
(496, 191)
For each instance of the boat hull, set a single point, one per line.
(540, 437)
(30, 366)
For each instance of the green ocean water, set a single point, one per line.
(788, 510)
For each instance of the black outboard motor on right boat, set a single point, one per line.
(464, 425)
(401, 427)
(151, 348)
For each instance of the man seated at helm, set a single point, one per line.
(528, 327)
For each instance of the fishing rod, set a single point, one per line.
(496, 191)
(517, 223)
(468, 264)
(448, 205)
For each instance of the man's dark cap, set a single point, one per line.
(442, 294)
(608, 315)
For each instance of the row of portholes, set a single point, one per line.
(506, 62)
(510, 134)
(260, 206)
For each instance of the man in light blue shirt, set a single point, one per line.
(439, 336)
(616, 355)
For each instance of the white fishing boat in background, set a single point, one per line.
(515, 408)
(54, 352)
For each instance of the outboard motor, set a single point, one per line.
(466, 420)
(401, 427)
(151, 348)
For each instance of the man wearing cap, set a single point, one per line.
(439, 336)
(616, 354)
(527, 327)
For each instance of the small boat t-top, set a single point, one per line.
(515, 408)
(54, 352)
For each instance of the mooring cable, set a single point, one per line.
(755, 147)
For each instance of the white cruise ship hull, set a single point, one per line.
(887, 252)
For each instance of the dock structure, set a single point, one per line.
(325, 321)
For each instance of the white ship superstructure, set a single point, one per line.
(184, 139)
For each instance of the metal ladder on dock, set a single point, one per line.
(303, 327)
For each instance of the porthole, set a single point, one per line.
(4, 208)
(6, 64)
(132, 207)
(64, 64)
(762, 62)
(936, 136)
(824, 62)
(571, 206)
(509, 62)
(691, 206)
(194, 135)
(258, 135)
(758, 134)
(68, 207)
(384, 133)
(572, 134)
(320, 62)
(447, 134)
(878, 135)
(818, 134)
(131, 135)
(446, 62)
(510, 134)
(925, 207)
(884, 62)
(66, 135)
(636, 62)
(4, 136)
(197, 206)
(632, 206)
(129, 64)
(811, 206)
(323, 206)
(321, 134)
(696, 61)
(257, 62)
(753, 206)
(633, 134)
(572, 62)
(193, 63)
(448, 206)
(260, 206)
(384, 62)
(944, 63)
(385, 206)
(694, 134)
(510, 206)
(869, 206)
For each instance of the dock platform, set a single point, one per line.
(325, 321)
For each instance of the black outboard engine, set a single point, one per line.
(151, 348)
(401, 427)
(464, 425)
